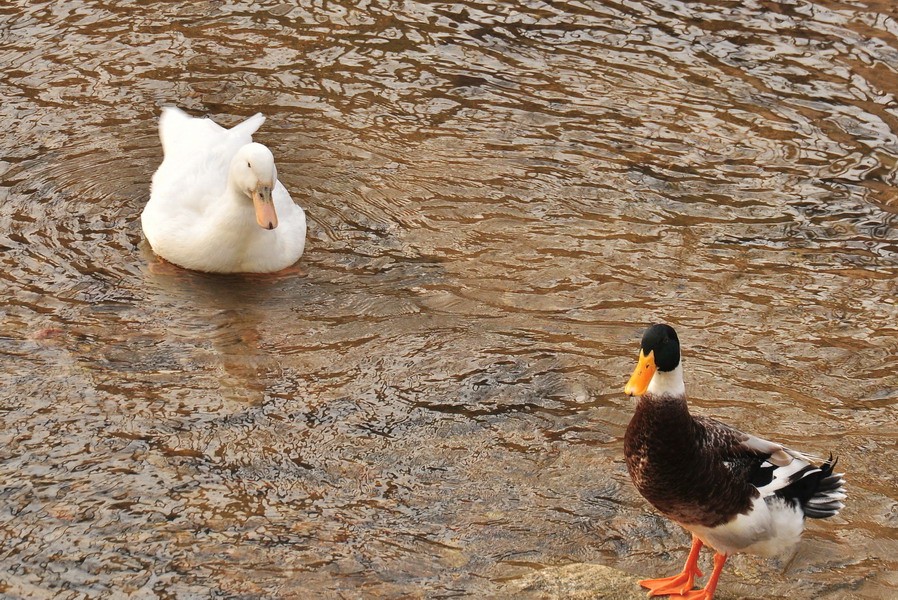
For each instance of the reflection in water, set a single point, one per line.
(500, 196)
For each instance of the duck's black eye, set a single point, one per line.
(249, 165)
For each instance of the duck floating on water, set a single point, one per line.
(216, 204)
(733, 491)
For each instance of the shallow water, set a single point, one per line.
(501, 196)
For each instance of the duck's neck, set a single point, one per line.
(668, 383)
(228, 225)
(235, 210)
(662, 416)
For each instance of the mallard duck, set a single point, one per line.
(216, 204)
(733, 491)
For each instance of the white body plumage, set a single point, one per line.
(201, 209)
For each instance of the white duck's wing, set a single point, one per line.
(198, 153)
(183, 135)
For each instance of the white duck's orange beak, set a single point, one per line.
(642, 375)
(266, 217)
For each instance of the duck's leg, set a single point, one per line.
(708, 592)
(678, 584)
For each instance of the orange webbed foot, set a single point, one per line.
(708, 592)
(678, 584)
(703, 594)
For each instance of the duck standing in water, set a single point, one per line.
(733, 491)
(216, 204)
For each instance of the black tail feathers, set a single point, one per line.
(825, 491)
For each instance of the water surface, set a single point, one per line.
(501, 196)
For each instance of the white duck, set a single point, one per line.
(211, 181)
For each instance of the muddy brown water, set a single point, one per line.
(501, 196)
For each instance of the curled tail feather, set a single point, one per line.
(826, 499)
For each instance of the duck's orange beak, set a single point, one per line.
(642, 376)
(266, 217)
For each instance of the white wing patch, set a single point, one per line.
(783, 475)
(780, 456)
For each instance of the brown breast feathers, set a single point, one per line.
(688, 468)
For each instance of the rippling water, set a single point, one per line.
(501, 195)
